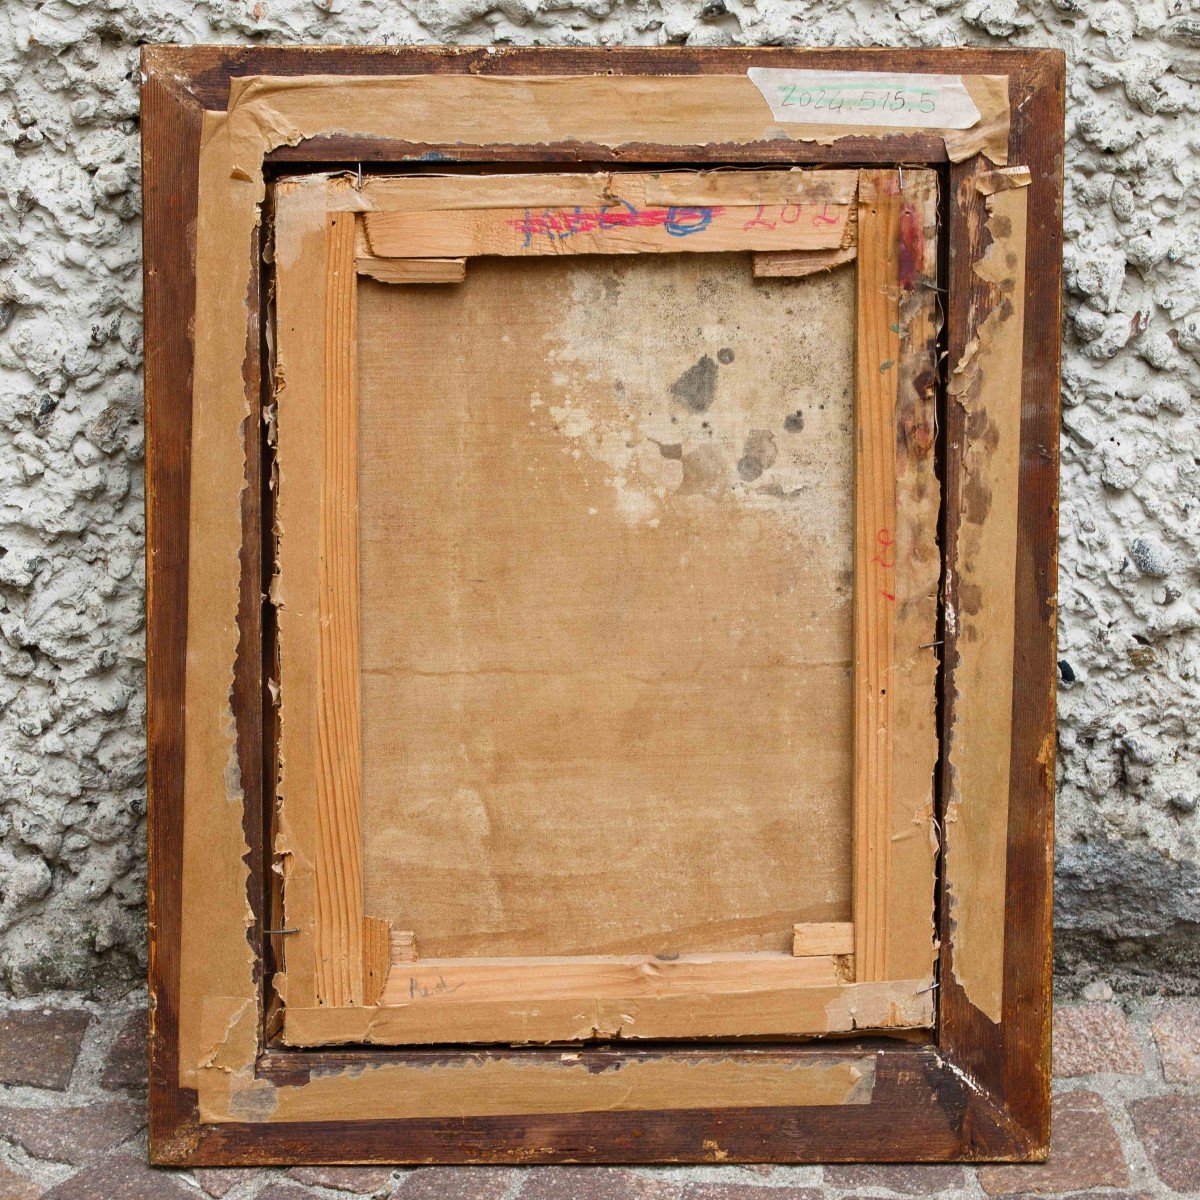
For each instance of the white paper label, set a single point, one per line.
(866, 98)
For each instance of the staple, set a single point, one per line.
(281, 932)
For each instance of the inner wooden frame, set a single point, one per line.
(215, 120)
(348, 977)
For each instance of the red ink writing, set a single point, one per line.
(885, 557)
(758, 221)
(561, 223)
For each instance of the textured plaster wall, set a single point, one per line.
(71, 580)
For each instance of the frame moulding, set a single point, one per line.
(979, 1088)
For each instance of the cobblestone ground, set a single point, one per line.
(1126, 1124)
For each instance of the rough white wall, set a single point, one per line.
(71, 579)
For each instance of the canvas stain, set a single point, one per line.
(703, 471)
(725, 356)
(696, 388)
(794, 422)
(758, 454)
(912, 247)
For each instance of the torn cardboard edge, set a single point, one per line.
(989, 182)
(217, 971)
(986, 382)
(493, 1085)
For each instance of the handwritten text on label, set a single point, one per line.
(866, 98)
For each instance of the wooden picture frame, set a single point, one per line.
(230, 1081)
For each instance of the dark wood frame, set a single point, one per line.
(978, 1090)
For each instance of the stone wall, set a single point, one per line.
(72, 798)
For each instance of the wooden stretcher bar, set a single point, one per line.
(336, 971)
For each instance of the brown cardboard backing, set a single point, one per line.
(559, 1083)
(548, 110)
(988, 387)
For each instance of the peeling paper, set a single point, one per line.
(438, 110)
(216, 957)
(987, 383)
(1003, 179)
(487, 1085)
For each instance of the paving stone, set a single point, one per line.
(909, 1179)
(1107, 1195)
(16, 1187)
(220, 1181)
(1169, 1127)
(72, 1134)
(1091, 1039)
(284, 1191)
(125, 1065)
(39, 1047)
(747, 1191)
(1176, 1030)
(122, 1177)
(1084, 1153)
(456, 1183)
(363, 1181)
(599, 1183)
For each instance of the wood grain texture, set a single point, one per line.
(796, 263)
(877, 354)
(612, 229)
(524, 1001)
(301, 239)
(448, 982)
(983, 1092)
(412, 270)
(170, 156)
(832, 937)
(377, 958)
(339, 945)
(403, 946)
